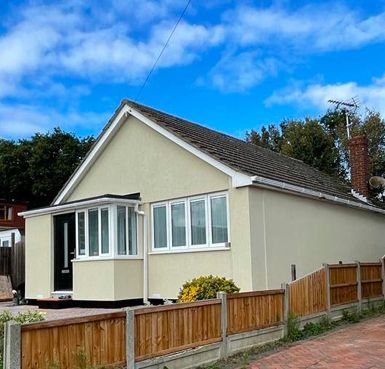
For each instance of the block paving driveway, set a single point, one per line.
(357, 346)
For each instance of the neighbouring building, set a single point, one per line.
(11, 224)
(159, 200)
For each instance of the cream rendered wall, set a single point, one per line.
(107, 280)
(39, 257)
(138, 159)
(306, 232)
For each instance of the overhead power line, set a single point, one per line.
(162, 51)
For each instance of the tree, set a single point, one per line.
(34, 170)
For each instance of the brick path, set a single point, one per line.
(358, 346)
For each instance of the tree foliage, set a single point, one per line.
(34, 170)
(323, 142)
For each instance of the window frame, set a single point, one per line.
(208, 223)
(112, 233)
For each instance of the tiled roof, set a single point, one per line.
(245, 157)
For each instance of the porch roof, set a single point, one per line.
(128, 199)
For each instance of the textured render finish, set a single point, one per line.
(108, 280)
(38, 257)
(308, 233)
(138, 159)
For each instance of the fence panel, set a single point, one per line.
(17, 271)
(343, 284)
(249, 311)
(100, 339)
(371, 280)
(165, 329)
(5, 260)
(307, 295)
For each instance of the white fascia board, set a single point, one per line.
(77, 206)
(89, 160)
(301, 191)
(238, 179)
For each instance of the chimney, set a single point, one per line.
(359, 164)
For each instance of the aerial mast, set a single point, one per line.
(348, 107)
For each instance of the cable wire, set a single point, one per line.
(162, 51)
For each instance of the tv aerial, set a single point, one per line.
(348, 107)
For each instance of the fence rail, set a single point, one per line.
(130, 338)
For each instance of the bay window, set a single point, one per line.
(106, 231)
(196, 222)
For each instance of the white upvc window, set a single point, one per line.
(108, 231)
(191, 223)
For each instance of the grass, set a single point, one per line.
(296, 334)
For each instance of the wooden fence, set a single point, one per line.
(334, 285)
(166, 329)
(249, 311)
(128, 338)
(12, 263)
(308, 295)
(100, 338)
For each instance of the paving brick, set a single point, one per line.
(359, 346)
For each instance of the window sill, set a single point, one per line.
(107, 258)
(190, 250)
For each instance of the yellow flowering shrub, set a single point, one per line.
(205, 287)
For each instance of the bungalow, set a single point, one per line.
(159, 200)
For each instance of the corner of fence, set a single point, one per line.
(130, 338)
(286, 306)
(382, 260)
(224, 322)
(12, 345)
(359, 286)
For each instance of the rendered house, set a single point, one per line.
(159, 200)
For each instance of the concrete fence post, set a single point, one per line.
(327, 278)
(359, 286)
(12, 345)
(224, 349)
(383, 275)
(130, 338)
(286, 306)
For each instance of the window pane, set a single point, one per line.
(178, 225)
(81, 234)
(93, 232)
(122, 238)
(219, 220)
(132, 246)
(105, 231)
(198, 222)
(160, 227)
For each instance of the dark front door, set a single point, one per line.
(64, 250)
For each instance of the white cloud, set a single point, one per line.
(238, 73)
(371, 96)
(23, 120)
(312, 27)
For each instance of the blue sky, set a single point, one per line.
(231, 65)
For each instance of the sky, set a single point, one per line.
(231, 65)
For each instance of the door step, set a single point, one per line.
(55, 303)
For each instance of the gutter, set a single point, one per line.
(145, 254)
(301, 191)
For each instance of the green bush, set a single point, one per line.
(293, 331)
(206, 287)
(21, 317)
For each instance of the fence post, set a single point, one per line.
(286, 306)
(328, 299)
(359, 286)
(224, 349)
(12, 345)
(130, 338)
(383, 275)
